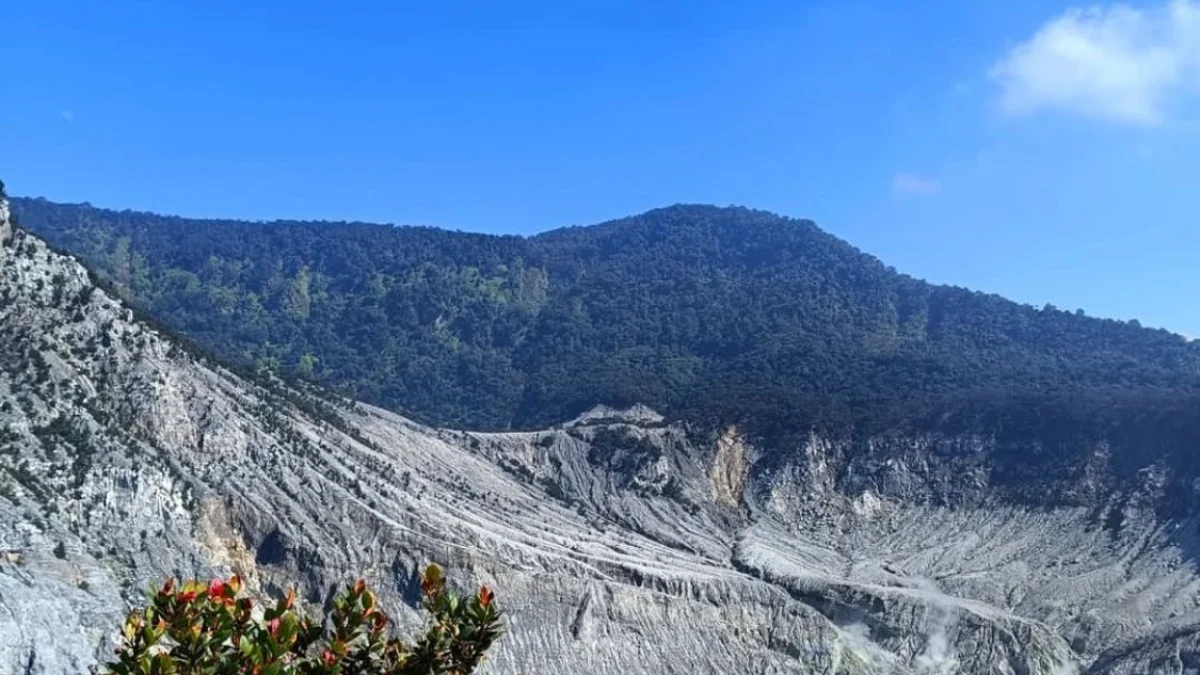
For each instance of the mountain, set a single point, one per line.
(620, 541)
(126, 457)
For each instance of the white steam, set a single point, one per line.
(937, 656)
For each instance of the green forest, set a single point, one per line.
(713, 315)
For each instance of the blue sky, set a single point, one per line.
(1029, 148)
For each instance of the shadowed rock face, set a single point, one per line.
(619, 544)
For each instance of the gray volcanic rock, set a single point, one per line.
(619, 543)
(5, 226)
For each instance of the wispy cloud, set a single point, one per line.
(915, 184)
(68, 116)
(1115, 63)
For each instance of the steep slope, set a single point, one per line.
(620, 543)
(703, 313)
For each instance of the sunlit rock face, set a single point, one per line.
(619, 543)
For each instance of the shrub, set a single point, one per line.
(210, 629)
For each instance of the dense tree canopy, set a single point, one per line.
(705, 313)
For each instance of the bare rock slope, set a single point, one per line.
(619, 543)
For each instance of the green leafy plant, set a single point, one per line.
(211, 629)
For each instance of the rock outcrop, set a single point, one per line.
(619, 543)
(5, 225)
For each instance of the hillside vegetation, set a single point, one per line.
(705, 313)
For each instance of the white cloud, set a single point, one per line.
(68, 116)
(1114, 63)
(913, 184)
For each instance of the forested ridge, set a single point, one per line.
(704, 313)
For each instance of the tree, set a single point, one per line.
(196, 628)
